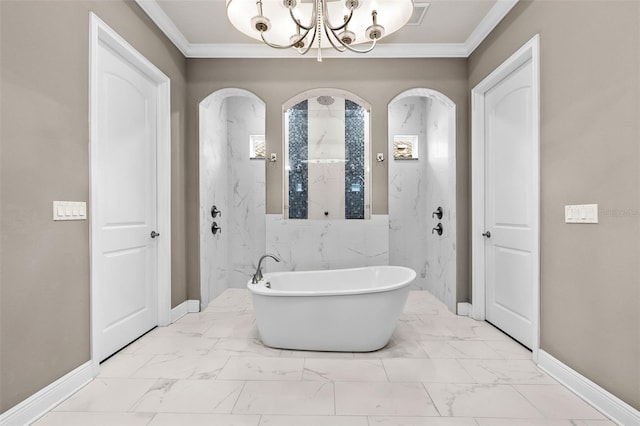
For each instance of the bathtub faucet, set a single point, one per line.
(258, 275)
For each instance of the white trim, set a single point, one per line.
(41, 402)
(464, 309)
(488, 23)
(529, 52)
(383, 50)
(186, 307)
(388, 50)
(601, 399)
(166, 25)
(101, 33)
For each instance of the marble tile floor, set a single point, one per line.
(210, 368)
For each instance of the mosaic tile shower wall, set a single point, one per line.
(298, 156)
(354, 161)
(354, 147)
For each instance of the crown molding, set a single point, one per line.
(254, 51)
(166, 25)
(259, 51)
(488, 23)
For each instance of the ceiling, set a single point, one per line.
(449, 28)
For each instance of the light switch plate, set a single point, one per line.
(581, 213)
(69, 210)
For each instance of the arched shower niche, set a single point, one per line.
(422, 173)
(232, 178)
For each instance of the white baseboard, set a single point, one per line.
(607, 403)
(464, 309)
(188, 306)
(38, 404)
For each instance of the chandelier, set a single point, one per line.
(306, 24)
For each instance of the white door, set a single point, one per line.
(510, 215)
(126, 261)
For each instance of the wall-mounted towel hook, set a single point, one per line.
(438, 229)
(215, 212)
(438, 213)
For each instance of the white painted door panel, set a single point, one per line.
(509, 195)
(126, 275)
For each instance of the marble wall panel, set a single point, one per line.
(213, 190)
(245, 218)
(417, 188)
(235, 184)
(305, 245)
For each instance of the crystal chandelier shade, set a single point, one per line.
(344, 25)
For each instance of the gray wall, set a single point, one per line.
(590, 141)
(44, 269)
(377, 81)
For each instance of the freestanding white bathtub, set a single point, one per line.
(344, 310)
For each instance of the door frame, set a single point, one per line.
(100, 32)
(530, 51)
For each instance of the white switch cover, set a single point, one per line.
(69, 210)
(581, 213)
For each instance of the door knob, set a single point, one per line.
(154, 234)
(486, 234)
(438, 229)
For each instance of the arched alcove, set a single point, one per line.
(422, 177)
(232, 179)
(327, 153)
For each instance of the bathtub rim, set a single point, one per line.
(261, 290)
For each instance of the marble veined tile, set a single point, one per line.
(383, 399)
(397, 347)
(511, 371)
(480, 331)
(181, 367)
(190, 396)
(556, 401)
(272, 420)
(123, 365)
(421, 421)
(289, 398)
(460, 349)
(199, 419)
(173, 345)
(426, 370)
(242, 347)
(232, 299)
(480, 400)
(235, 326)
(509, 349)
(107, 395)
(267, 368)
(94, 419)
(344, 370)
(286, 353)
(524, 422)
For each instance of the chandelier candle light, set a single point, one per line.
(303, 24)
